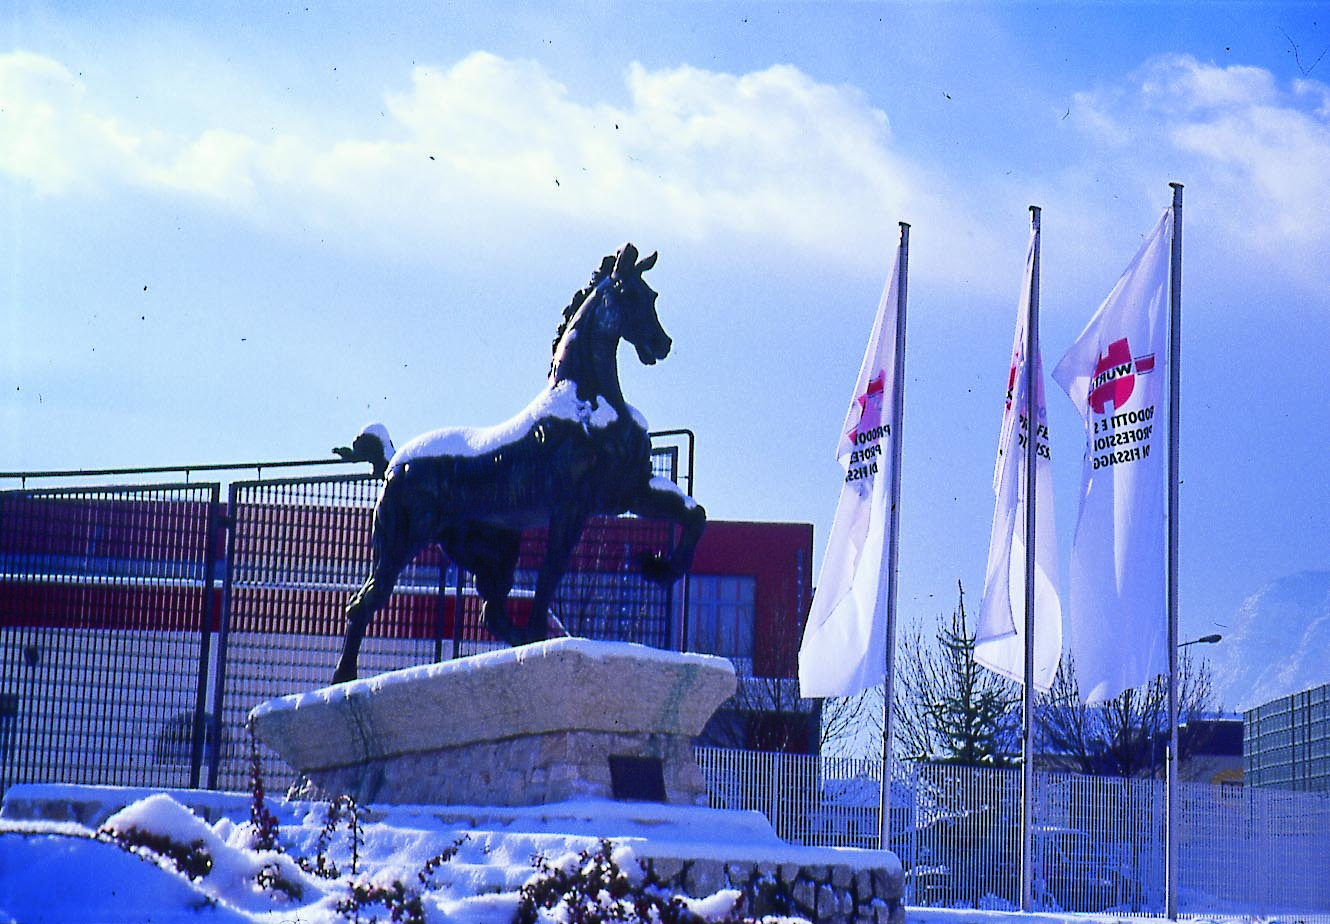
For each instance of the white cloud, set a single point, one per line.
(48, 136)
(1180, 83)
(1316, 91)
(1255, 154)
(218, 164)
(1277, 160)
(772, 155)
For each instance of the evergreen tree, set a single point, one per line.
(947, 706)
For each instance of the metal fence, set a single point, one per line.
(106, 607)
(1099, 841)
(299, 547)
(139, 623)
(296, 549)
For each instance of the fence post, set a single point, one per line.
(458, 614)
(229, 521)
(440, 616)
(200, 728)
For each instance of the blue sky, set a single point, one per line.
(243, 233)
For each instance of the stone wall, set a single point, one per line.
(824, 894)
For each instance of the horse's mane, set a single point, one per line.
(579, 297)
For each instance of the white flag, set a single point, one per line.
(1000, 632)
(845, 642)
(1115, 375)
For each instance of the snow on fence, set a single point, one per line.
(1099, 841)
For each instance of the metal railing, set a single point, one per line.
(106, 612)
(128, 656)
(1099, 841)
(299, 547)
(140, 622)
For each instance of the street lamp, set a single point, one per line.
(1203, 640)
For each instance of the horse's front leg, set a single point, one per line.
(397, 534)
(391, 555)
(663, 500)
(358, 613)
(565, 529)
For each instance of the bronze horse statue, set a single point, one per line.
(577, 450)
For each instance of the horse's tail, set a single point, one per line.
(372, 445)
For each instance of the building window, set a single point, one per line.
(720, 614)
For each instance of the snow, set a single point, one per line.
(664, 484)
(59, 878)
(380, 432)
(559, 401)
(161, 814)
(587, 648)
(77, 873)
(971, 916)
(58, 872)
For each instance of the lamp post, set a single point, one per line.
(1174, 762)
(1203, 640)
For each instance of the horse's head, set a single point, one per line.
(617, 305)
(635, 303)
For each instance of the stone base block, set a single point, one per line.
(528, 770)
(522, 726)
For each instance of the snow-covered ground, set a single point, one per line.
(462, 870)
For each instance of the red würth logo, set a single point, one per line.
(1115, 376)
(870, 408)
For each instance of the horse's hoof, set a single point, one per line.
(657, 569)
(343, 676)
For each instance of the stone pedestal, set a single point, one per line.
(556, 721)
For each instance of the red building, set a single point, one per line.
(748, 598)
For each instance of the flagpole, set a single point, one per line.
(1031, 349)
(897, 414)
(1174, 380)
